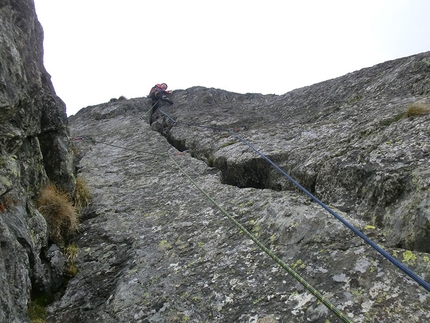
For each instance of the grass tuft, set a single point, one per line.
(418, 109)
(82, 194)
(37, 313)
(59, 213)
(37, 310)
(71, 252)
(397, 117)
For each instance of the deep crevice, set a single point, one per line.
(255, 172)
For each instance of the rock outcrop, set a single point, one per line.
(162, 241)
(154, 248)
(346, 140)
(34, 149)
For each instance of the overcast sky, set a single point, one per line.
(96, 50)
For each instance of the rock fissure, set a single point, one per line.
(251, 172)
(150, 248)
(192, 247)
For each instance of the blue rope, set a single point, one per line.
(281, 263)
(393, 260)
(397, 263)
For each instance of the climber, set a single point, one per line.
(158, 93)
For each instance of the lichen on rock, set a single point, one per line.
(157, 250)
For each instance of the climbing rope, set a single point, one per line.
(281, 263)
(302, 281)
(384, 253)
(152, 106)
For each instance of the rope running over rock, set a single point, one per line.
(375, 246)
(281, 263)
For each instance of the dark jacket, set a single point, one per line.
(157, 93)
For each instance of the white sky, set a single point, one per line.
(96, 50)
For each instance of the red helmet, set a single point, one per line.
(163, 86)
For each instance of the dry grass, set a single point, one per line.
(418, 109)
(7, 202)
(71, 252)
(75, 150)
(59, 213)
(72, 270)
(82, 194)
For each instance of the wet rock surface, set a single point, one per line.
(153, 248)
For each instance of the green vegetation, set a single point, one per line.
(71, 252)
(62, 221)
(61, 212)
(413, 110)
(396, 118)
(60, 215)
(210, 161)
(37, 310)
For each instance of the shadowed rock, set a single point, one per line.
(34, 149)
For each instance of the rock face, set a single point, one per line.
(34, 148)
(154, 248)
(345, 140)
(164, 241)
